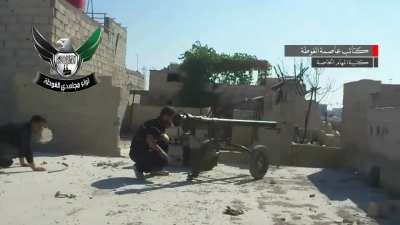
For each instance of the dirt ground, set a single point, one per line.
(99, 190)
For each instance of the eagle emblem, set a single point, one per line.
(65, 60)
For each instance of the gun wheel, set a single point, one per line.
(259, 162)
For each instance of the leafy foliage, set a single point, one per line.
(204, 68)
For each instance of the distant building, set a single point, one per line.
(323, 108)
(335, 114)
(165, 85)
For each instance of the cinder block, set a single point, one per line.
(7, 11)
(59, 15)
(42, 20)
(21, 19)
(57, 23)
(3, 28)
(10, 44)
(7, 53)
(11, 20)
(34, 11)
(60, 7)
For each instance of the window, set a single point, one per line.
(174, 77)
(385, 131)
(378, 130)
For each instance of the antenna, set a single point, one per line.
(90, 5)
(137, 62)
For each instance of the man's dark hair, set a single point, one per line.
(153, 131)
(167, 110)
(38, 119)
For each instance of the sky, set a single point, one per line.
(159, 31)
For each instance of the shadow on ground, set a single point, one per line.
(340, 185)
(117, 182)
(171, 169)
(200, 180)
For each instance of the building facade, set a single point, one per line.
(371, 122)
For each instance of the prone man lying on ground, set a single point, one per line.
(15, 142)
(149, 147)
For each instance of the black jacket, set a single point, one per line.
(138, 141)
(19, 136)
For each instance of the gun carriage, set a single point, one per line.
(201, 153)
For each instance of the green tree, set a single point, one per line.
(205, 68)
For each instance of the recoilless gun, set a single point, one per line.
(200, 153)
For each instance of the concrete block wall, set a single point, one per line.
(229, 94)
(291, 111)
(277, 143)
(316, 156)
(117, 37)
(389, 176)
(160, 90)
(135, 78)
(243, 135)
(16, 50)
(370, 133)
(384, 142)
(388, 96)
(109, 59)
(356, 102)
(19, 64)
(85, 122)
(383, 131)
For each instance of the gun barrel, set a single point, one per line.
(231, 122)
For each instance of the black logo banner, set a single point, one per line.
(66, 85)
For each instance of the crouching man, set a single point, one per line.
(15, 142)
(149, 147)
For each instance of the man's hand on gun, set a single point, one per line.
(157, 148)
